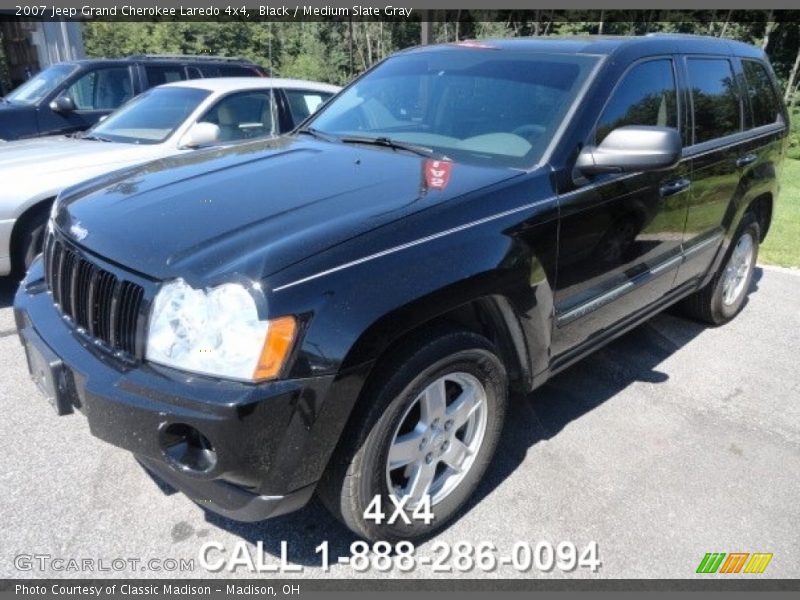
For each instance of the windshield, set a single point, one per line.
(472, 104)
(41, 84)
(150, 118)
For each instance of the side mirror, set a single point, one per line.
(200, 134)
(62, 104)
(632, 148)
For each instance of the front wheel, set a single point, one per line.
(425, 434)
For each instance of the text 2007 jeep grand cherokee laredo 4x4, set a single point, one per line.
(346, 310)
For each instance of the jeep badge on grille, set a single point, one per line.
(78, 231)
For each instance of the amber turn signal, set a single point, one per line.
(277, 346)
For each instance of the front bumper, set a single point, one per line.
(260, 435)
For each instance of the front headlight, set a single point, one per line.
(216, 332)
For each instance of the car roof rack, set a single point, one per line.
(675, 34)
(200, 57)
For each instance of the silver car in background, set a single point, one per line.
(163, 121)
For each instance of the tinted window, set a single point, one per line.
(475, 104)
(193, 73)
(157, 75)
(763, 102)
(715, 98)
(227, 71)
(303, 103)
(42, 84)
(102, 89)
(243, 116)
(236, 71)
(151, 117)
(645, 96)
(209, 71)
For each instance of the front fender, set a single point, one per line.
(359, 307)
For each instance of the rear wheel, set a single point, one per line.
(723, 297)
(425, 433)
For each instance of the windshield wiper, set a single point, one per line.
(317, 134)
(390, 143)
(92, 136)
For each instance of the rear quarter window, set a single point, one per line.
(764, 104)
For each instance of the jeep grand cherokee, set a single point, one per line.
(349, 309)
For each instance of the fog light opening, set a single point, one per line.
(187, 448)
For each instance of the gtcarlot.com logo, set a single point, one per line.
(47, 562)
(734, 562)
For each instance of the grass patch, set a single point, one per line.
(782, 246)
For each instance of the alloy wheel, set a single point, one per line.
(737, 270)
(439, 435)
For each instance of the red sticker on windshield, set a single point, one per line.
(437, 173)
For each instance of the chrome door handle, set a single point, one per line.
(673, 187)
(745, 160)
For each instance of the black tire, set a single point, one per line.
(28, 239)
(358, 470)
(707, 304)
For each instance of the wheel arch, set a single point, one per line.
(491, 316)
(31, 210)
(762, 207)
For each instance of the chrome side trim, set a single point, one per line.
(622, 289)
(736, 140)
(597, 302)
(617, 292)
(667, 264)
(717, 237)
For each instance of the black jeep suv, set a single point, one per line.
(72, 96)
(348, 309)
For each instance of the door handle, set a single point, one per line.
(673, 187)
(745, 160)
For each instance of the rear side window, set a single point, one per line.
(236, 71)
(210, 71)
(193, 73)
(645, 96)
(763, 103)
(227, 71)
(157, 75)
(715, 98)
(303, 103)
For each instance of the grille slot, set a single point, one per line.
(96, 300)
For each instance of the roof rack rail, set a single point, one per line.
(208, 57)
(677, 34)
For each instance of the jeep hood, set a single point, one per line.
(253, 208)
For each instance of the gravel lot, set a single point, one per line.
(674, 441)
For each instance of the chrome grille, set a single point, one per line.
(104, 306)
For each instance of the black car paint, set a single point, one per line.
(27, 121)
(351, 240)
